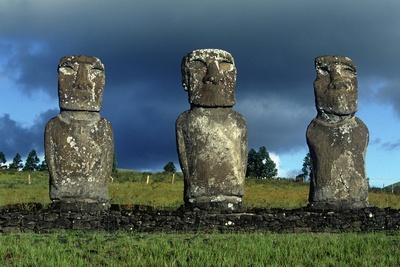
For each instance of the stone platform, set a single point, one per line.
(34, 217)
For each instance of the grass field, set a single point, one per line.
(131, 188)
(67, 248)
(78, 248)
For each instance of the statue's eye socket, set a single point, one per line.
(323, 70)
(226, 61)
(349, 70)
(226, 65)
(66, 69)
(96, 71)
(198, 64)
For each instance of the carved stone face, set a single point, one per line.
(335, 87)
(209, 75)
(81, 82)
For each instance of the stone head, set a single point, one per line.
(335, 87)
(209, 76)
(81, 82)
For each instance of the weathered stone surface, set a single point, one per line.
(146, 219)
(335, 87)
(78, 142)
(81, 83)
(338, 152)
(336, 138)
(211, 136)
(209, 76)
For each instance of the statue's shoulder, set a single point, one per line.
(53, 122)
(105, 123)
(238, 117)
(182, 118)
(360, 123)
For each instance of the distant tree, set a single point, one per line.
(260, 165)
(306, 169)
(16, 163)
(2, 159)
(43, 166)
(300, 178)
(170, 167)
(251, 164)
(32, 161)
(268, 166)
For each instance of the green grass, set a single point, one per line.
(69, 248)
(130, 188)
(14, 187)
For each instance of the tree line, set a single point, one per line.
(32, 162)
(259, 164)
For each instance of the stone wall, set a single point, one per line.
(36, 218)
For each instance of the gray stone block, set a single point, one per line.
(337, 139)
(211, 136)
(78, 142)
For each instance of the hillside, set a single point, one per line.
(393, 188)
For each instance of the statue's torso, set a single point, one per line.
(338, 156)
(80, 157)
(215, 145)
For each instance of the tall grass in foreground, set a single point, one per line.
(68, 248)
(131, 188)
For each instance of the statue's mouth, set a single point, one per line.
(82, 96)
(341, 85)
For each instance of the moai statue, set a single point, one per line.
(336, 138)
(78, 142)
(211, 136)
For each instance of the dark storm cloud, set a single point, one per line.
(277, 122)
(142, 42)
(18, 139)
(144, 125)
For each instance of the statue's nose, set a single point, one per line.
(335, 73)
(82, 79)
(336, 78)
(212, 75)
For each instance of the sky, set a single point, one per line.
(142, 42)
